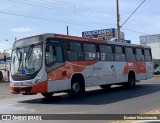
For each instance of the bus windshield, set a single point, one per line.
(26, 60)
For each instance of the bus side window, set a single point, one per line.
(130, 56)
(50, 55)
(58, 53)
(147, 54)
(90, 52)
(119, 54)
(106, 53)
(139, 54)
(53, 54)
(75, 51)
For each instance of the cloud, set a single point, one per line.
(22, 29)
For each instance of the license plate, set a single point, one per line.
(22, 92)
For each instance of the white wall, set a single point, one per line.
(155, 47)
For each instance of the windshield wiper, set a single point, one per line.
(19, 59)
(29, 52)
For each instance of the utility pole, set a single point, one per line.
(118, 19)
(67, 31)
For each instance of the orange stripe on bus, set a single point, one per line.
(68, 69)
(138, 67)
(79, 38)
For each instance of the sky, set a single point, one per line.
(21, 18)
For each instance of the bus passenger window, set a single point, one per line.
(90, 53)
(75, 52)
(119, 54)
(53, 55)
(50, 55)
(130, 56)
(139, 55)
(106, 53)
(148, 56)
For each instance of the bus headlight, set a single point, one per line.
(38, 78)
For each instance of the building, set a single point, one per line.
(154, 42)
(4, 67)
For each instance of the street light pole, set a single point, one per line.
(118, 19)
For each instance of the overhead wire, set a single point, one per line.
(22, 15)
(65, 9)
(46, 19)
(45, 2)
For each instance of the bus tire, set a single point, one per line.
(77, 87)
(105, 86)
(1, 76)
(131, 81)
(47, 95)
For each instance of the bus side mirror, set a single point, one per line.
(5, 59)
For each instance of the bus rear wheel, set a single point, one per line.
(105, 86)
(131, 81)
(47, 95)
(1, 76)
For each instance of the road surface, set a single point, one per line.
(143, 98)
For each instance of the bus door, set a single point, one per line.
(54, 63)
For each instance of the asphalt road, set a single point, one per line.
(143, 98)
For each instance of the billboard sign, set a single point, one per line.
(104, 34)
(149, 38)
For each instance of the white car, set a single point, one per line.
(157, 70)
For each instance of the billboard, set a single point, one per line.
(104, 34)
(149, 38)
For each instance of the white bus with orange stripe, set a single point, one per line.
(51, 63)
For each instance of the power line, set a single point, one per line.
(69, 6)
(135, 31)
(65, 8)
(59, 21)
(133, 12)
(46, 19)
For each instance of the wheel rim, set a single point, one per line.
(132, 82)
(76, 87)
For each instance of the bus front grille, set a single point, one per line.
(23, 89)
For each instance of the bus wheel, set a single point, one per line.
(76, 89)
(131, 81)
(1, 76)
(105, 86)
(47, 95)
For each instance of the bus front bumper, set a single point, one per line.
(32, 89)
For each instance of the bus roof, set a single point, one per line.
(61, 36)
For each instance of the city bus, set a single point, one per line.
(51, 63)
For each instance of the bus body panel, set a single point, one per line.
(149, 68)
(58, 85)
